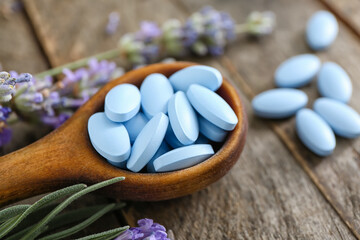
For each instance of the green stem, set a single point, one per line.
(79, 63)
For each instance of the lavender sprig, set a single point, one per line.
(42, 99)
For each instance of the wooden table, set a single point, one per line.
(278, 189)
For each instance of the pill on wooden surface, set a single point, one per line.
(334, 82)
(279, 103)
(343, 119)
(156, 91)
(148, 142)
(135, 125)
(321, 30)
(206, 76)
(211, 131)
(183, 157)
(183, 119)
(314, 132)
(212, 107)
(122, 102)
(297, 71)
(164, 148)
(110, 139)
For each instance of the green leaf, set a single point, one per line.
(102, 235)
(42, 202)
(64, 219)
(10, 212)
(33, 233)
(80, 226)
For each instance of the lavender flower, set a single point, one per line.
(5, 131)
(113, 23)
(147, 230)
(260, 23)
(8, 82)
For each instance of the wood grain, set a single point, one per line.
(337, 176)
(267, 195)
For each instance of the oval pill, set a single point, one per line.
(156, 91)
(183, 119)
(279, 103)
(122, 102)
(297, 71)
(206, 76)
(211, 131)
(343, 119)
(183, 157)
(148, 142)
(164, 148)
(333, 82)
(110, 139)
(314, 132)
(212, 107)
(321, 30)
(135, 125)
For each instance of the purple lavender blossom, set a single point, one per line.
(5, 135)
(147, 230)
(148, 31)
(113, 23)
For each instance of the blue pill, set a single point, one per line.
(279, 103)
(343, 119)
(183, 157)
(321, 30)
(110, 139)
(314, 132)
(183, 119)
(122, 102)
(206, 76)
(156, 91)
(211, 131)
(202, 140)
(148, 142)
(171, 139)
(212, 107)
(297, 71)
(164, 148)
(334, 82)
(135, 125)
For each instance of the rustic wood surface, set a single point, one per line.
(278, 189)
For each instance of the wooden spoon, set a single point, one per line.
(66, 156)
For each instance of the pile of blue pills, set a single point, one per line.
(167, 125)
(330, 115)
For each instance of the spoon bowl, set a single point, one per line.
(66, 156)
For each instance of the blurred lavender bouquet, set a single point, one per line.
(43, 99)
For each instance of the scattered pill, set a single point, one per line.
(164, 148)
(148, 142)
(110, 139)
(297, 71)
(156, 91)
(211, 131)
(334, 82)
(314, 132)
(135, 125)
(183, 119)
(212, 107)
(183, 157)
(206, 76)
(279, 103)
(343, 119)
(321, 30)
(122, 102)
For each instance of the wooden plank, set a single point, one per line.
(19, 51)
(266, 195)
(337, 176)
(348, 11)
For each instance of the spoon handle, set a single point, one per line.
(33, 170)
